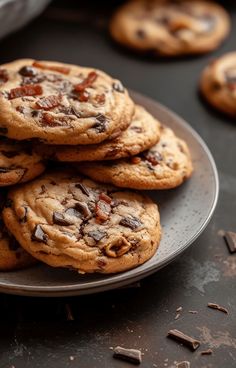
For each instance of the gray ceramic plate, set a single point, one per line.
(185, 212)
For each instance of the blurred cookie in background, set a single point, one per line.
(218, 83)
(170, 28)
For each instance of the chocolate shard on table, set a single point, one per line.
(184, 339)
(130, 355)
(217, 307)
(230, 238)
(207, 352)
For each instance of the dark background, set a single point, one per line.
(38, 332)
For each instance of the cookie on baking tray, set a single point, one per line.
(170, 28)
(61, 103)
(143, 132)
(164, 166)
(66, 220)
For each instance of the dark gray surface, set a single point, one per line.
(185, 212)
(33, 333)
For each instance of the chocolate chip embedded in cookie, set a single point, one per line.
(18, 163)
(70, 221)
(171, 28)
(143, 132)
(166, 165)
(61, 103)
(218, 83)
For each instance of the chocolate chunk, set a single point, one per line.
(118, 87)
(230, 239)
(8, 203)
(28, 71)
(101, 123)
(140, 33)
(39, 235)
(59, 219)
(73, 212)
(184, 339)
(83, 188)
(97, 235)
(184, 364)
(24, 218)
(4, 170)
(10, 154)
(3, 130)
(207, 352)
(137, 129)
(131, 222)
(129, 355)
(83, 208)
(35, 113)
(218, 307)
(102, 210)
(153, 158)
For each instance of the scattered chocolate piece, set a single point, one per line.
(130, 355)
(97, 235)
(185, 339)
(179, 309)
(49, 102)
(230, 239)
(177, 316)
(82, 188)
(39, 235)
(59, 219)
(184, 364)
(218, 307)
(193, 311)
(131, 222)
(207, 352)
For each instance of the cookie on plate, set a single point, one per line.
(170, 28)
(18, 163)
(61, 103)
(166, 165)
(71, 221)
(13, 256)
(218, 83)
(143, 132)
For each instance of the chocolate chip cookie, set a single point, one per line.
(143, 132)
(166, 165)
(66, 220)
(170, 28)
(218, 83)
(18, 163)
(61, 103)
(13, 256)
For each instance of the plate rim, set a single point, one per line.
(103, 285)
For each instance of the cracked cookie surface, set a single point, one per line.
(164, 166)
(18, 163)
(218, 83)
(143, 132)
(170, 28)
(61, 103)
(66, 220)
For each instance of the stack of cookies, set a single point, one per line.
(77, 215)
